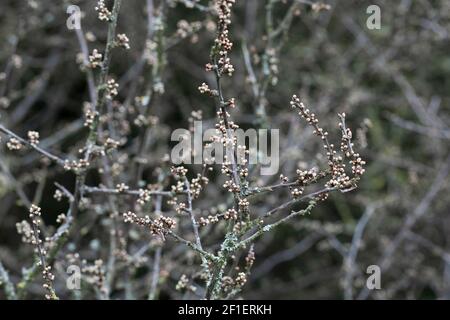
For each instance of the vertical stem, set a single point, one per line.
(8, 285)
(155, 274)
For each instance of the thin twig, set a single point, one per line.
(33, 146)
(99, 190)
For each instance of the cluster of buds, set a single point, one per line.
(14, 144)
(204, 89)
(123, 41)
(112, 88)
(17, 61)
(76, 165)
(178, 187)
(33, 137)
(180, 208)
(131, 217)
(31, 234)
(243, 172)
(35, 211)
(24, 229)
(150, 54)
(58, 195)
(229, 284)
(122, 187)
(179, 172)
(231, 103)
(158, 86)
(95, 59)
(117, 169)
(4, 102)
(273, 61)
(318, 6)
(250, 258)
(73, 258)
(312, 120)
(297, 192)
(242, 153)
(142, 121)
(103, 12)
(223, 43)
(111, 144)
(48, 277)
(89, 114)
(94, 274)
(239, 227)
(222, 127)
(61, 218)
(230, 185)
(183, 284)
(347, 149)
(339, 178)
(284, 179)
(144, 196)
(197, 185)
(227, 170)
(321, 196)
(306, 177)
(35, 217)
(185, 29)
(158, 226)
(196, 115)
(226, 65)
(243, 205)
(241, 279)
(230, 214)
(209, 220)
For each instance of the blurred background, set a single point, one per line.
(393, 83)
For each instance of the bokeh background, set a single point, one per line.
(393, 84)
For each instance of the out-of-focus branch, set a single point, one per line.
(8, 286)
